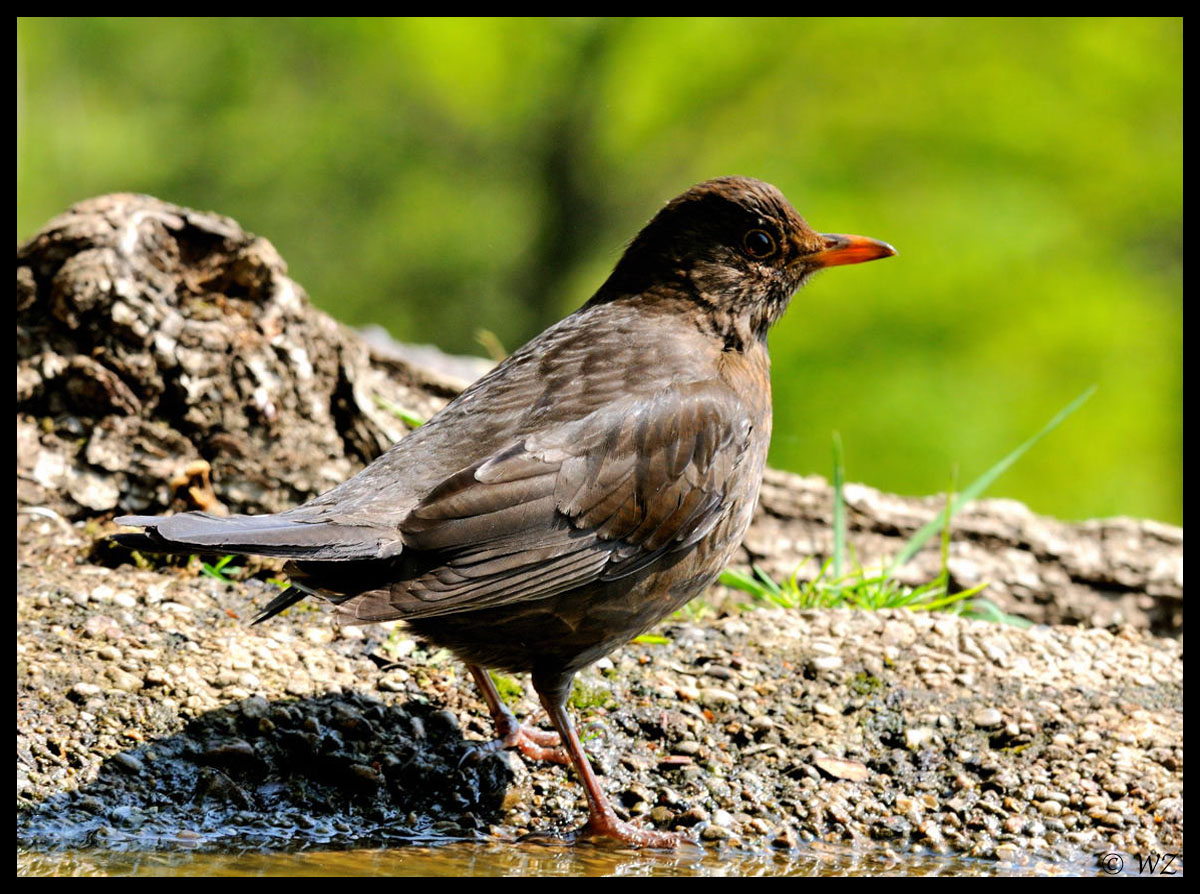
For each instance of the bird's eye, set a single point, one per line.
(759, 244)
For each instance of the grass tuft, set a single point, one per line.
(834, 587)
(221, 569)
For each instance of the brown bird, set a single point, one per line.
(591, 484)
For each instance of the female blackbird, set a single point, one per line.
(590, 485)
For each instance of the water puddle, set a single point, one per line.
(509, 859)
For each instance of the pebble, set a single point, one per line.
(84, 691)
(918, 737)
(712, 697)
(825, 663)
(125, 681)
(127, 761)
(987, 718)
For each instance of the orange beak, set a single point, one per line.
(842, 249)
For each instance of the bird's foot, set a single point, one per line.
(614, 832)
(536, 744)
(609, 828)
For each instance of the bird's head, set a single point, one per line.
(738, 248)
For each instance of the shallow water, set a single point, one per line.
(509, 859)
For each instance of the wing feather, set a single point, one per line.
(595, 499)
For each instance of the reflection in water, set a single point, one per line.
(494, 859)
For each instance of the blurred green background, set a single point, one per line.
(439, 176)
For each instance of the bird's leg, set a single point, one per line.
(603, 821)
(537, 744)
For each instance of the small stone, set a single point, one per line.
(840, 768)
(825, 663)
(711, 697)
(987, 718)
(899, 633)
(125, 681)
(319, 635)
(127, 761)
(81, 692)
(394, 681)
(722, 818)
(918, 737)
(1007, 852)
(692, 816)
(365, 775)
(785, 838)
(445, 723)
(232, 753)
(127, 816)
(662, 816)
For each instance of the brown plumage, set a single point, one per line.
(594, 482)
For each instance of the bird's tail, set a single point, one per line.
(258, 535)
(284, 600)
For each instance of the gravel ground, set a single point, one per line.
(149, 711)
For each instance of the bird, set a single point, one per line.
(591, 484)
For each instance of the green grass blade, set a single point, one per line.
(409, 418)
(217, 569)
(984, 481)
(839, 507)
(986, 610)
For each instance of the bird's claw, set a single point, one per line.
(536, 744)
(616, 833)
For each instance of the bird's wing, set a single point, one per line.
(596, 499)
